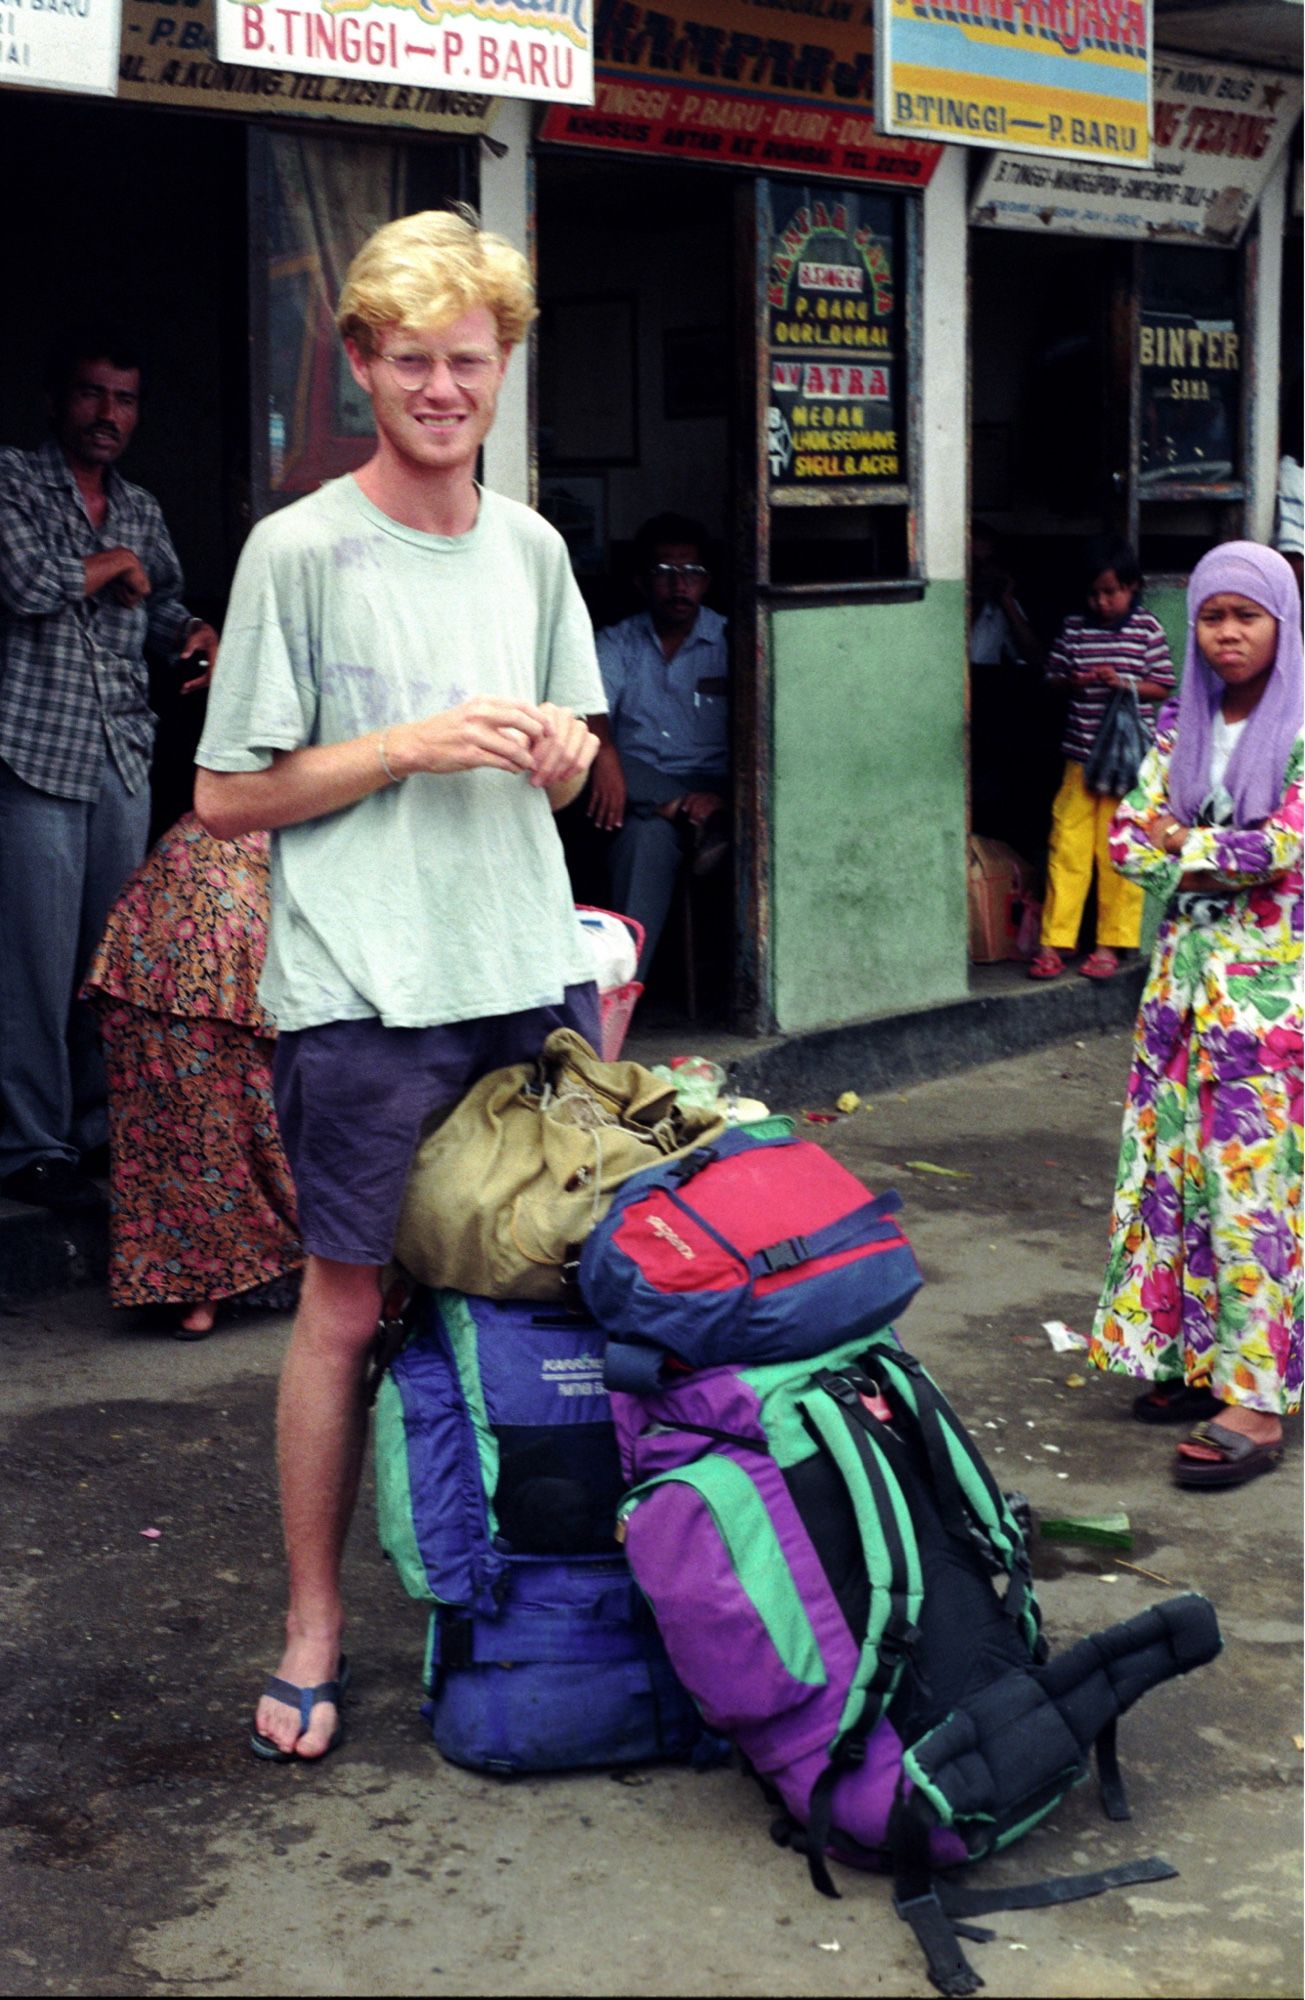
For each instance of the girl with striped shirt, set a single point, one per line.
(1116, 643)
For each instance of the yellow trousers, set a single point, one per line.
(1080, 826)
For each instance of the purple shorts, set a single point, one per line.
(352, 1097)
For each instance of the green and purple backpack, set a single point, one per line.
(847, 1595)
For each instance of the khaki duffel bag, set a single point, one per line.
(504, 1191)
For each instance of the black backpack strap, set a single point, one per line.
(843, 1234)
(893, 1568)
(392, 1328)
(917, 1901)
(940, 1429)
(1114, 1798)
(1053, 1889)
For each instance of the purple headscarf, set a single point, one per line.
(1258, 764)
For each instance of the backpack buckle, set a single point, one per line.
(783, 1256)
(899, 1640)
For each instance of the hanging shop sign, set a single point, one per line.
(1219, 131)
(73, 46)
(780, 86)
(1068, 77)
(1191, 387)
(169, 56)
(505, 48)
(834, 321)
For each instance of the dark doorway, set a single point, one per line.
(634, 395)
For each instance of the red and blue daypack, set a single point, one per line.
(745, 1249)
(821, 1543)
(498, 1480)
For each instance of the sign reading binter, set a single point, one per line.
(505, 48)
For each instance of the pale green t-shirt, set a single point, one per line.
(442, 898)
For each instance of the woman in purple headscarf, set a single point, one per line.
(1202, 1292)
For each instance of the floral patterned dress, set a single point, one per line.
(1204, 1278)
(202, 1201)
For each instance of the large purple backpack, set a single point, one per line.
(820, 1542)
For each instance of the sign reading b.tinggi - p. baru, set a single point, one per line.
(1066, 77)
(834, 358)
(506, 48)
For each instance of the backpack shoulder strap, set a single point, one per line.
(966, 1490)
(896, 1590)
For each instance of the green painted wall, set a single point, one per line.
(1169, 604)
(868, 808)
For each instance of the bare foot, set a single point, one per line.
(200, 1318)
(305, 1663)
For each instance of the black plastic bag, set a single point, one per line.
(1119, 746)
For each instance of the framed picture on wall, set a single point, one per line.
(695, 372)
(589, 382)
(576, 504)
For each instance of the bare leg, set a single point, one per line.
(321, 1432)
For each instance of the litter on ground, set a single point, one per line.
(1063, 1338)
(1101, 1531)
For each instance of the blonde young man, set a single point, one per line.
(406, 666)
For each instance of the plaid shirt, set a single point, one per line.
(73, 679)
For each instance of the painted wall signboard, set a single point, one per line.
(72, 47)
(1068, 77)
(761, 84)
(834, 341)
(1219, 130)
(504, 48)
(169, 56)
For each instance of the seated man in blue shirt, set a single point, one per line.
(660, 781)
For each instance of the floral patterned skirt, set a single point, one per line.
(1204, 1278)
(202, 1202)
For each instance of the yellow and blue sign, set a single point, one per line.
(1067, 77)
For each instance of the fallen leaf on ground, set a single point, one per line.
(928, 1167)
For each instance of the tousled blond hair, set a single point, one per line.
(428, 269)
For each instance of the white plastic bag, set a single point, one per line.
(612, 946)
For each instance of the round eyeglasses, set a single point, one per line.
(413, 367)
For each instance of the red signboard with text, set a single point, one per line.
(740, 83)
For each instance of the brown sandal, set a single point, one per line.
(1239, 1457)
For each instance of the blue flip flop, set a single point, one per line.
(304, 1699)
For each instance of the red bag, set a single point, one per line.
(742, 1252)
